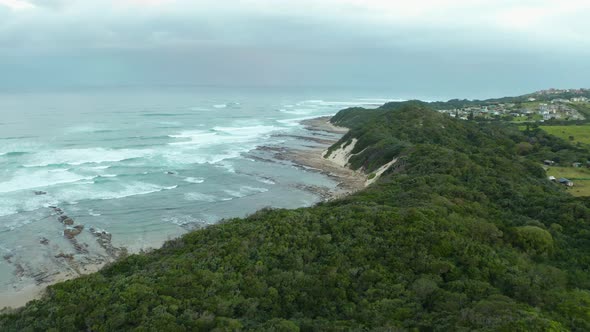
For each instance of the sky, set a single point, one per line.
(455, 48)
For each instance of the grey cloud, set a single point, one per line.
(65, 42)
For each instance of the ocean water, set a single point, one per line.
(145, 165)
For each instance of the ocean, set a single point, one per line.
(143, 165)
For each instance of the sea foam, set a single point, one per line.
(194, 180)
(84, 156)
(24, 180)
(200, 197)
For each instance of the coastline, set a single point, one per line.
(312, 159)
(17, 299)
(309, 158)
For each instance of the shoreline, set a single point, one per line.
(17, 299)
(312, 159)
(309, 158)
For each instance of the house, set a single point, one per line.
(566, 182)
(577, 165)
(549, 162)
(552, 178)
(559, 100)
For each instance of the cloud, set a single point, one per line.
(17, 4)
(153, 23)
(295, 41)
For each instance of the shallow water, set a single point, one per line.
(145, 165)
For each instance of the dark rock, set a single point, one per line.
(104, 240)
(68, 221)
(20, 271)
(39, 192)
(44, 241)
(308, 138)
(79, 248)
(41, 277)
(324, 192)
(65, 256)
(70, 233)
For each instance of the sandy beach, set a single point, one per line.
(21, 297)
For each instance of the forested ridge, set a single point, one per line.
(464, 232)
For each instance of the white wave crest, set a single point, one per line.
(83, 156)
(194, 180)
(245, 191)
(200, 197)
(26, 180)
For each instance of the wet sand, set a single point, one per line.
(21, 297)
(33, 277)
(323, 124)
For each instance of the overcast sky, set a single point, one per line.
(421, 47)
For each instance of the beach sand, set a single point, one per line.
(21, 297)
(323, 124)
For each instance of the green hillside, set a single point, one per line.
(464, 232)
(574, 133)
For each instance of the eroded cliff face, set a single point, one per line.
(341, 155)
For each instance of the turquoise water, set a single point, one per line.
(145, 165)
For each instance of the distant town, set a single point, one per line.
(541, 106)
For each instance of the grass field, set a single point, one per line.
(580, 133)
(580, 177)
(533, 118)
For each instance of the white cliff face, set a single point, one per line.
(380, 171)
(341, 155)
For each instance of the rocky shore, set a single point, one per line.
(73, 261)
(311, 158)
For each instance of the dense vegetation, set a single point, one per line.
(464, 232)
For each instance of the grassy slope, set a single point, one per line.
(580, 133)
(580, 176)
(462, 234)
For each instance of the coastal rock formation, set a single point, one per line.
(104, 240)
(312, 159)
(68, 257)
(73, 231)
(323, 192)
(322, 141)
(8, 257)
(66, 220)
